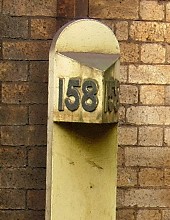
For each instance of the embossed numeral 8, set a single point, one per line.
(72, 102)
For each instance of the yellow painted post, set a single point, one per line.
(82, 123)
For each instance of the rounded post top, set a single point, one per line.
(86, 36)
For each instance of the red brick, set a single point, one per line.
(0, 5)
(0, 50)
(127, 9)
(38, 114)
(8, 23)
(22, 215)
(12, 199)
(23, 135)
(13, 115)
(13, 71)
(22, 178)
(24, 93)
(43, 28)
(38, 71)
(30, 8)
(12, 157)
(81, 8)
(37, 157)
(26, 50)
(65, 8)
(36, 199)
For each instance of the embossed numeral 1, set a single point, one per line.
(89, 99)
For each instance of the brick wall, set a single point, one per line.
(26, 30)
(143, 30)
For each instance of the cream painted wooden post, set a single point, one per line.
(82, 123)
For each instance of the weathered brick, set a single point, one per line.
(167, 177)
(43, 28)
(26, 50)
(108, 23)
(22, 215)
(168, 11)
(167, 136)
(147, 198)
(120, 197)
(7, 23)
(128, 94)
(121, 114)
(12, 199)
(13, 115)
(0, 5)
(128, 214)
(147, 31)
(165, 214)
(81, 8)
(37, 157)
(23, 178)
(126, 9)
(65, 8)
(38, 114)
(23, 135)
(30, 8)
(149, 214)
(122, 30)
(151, 177)
(13, 71)
(123, 74)
(150, 136)
(12, 157)
(0, 50)
(147, 156)
(127, 135)
(129, 52)
(38, 71)
(36, 199)
(121, 156)
(167, 95)
(23, 93)
(126, 177)
(153, 53)
(152, 95)
(168, 53)
(147, 115)
(151, 10)
(151, 74)
(167, 33)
